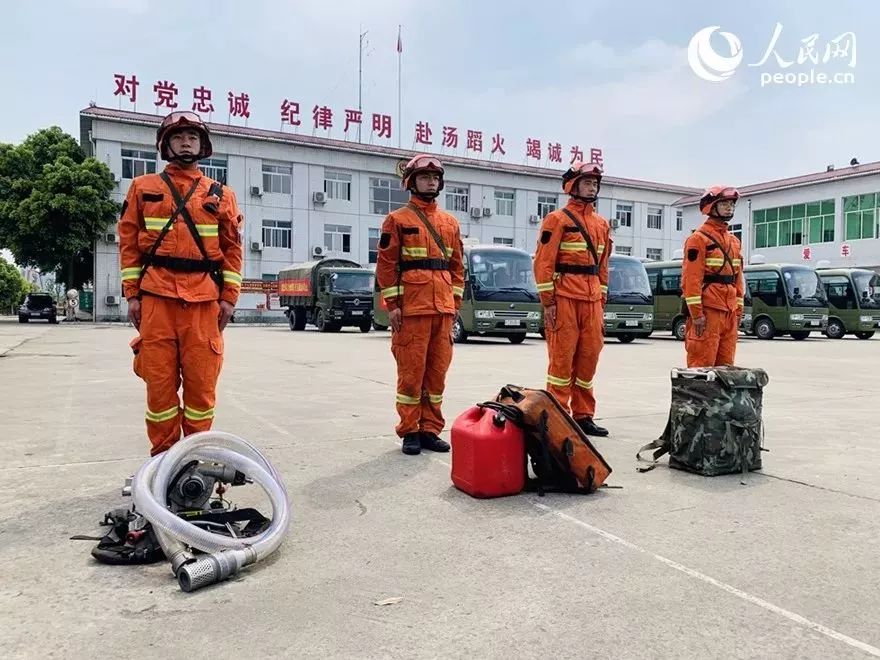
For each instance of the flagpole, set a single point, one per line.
(399, 113)
(360, 76)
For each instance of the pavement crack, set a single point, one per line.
(817, 487)
(19, 344)
(361, 507)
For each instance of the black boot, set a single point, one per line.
(411, 444)
(433, 442)
(589, 427)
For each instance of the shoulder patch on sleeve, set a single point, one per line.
(385, 240)
(545, 236)
(693, 254)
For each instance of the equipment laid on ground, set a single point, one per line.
(561, 455)
(329, 293)
(175, 514)
(715, 425)
(489, 453)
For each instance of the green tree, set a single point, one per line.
(13, 286)
(54, 203)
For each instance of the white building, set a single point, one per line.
(831, 215)
(302, 195)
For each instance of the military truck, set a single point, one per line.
(500, 297)
(328, 293)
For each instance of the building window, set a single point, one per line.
(623, 249)
(457, 198)
(624, 214)
(654, 254)
(679, 221)
(385, 197)
(337, 185)
(373, 245)
(736, 230)
(337, 238)
(504, 202)
(859, 216)
(546, 204)
(502, 240)
(655, 217)
(277, 178)
(137, 163)
(788, 225)
(276, 233)
(214, 168)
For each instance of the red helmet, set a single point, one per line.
(179, 120)
(716, 194)
(577, 170)
(421, 163)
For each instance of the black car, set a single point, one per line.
(37, 306)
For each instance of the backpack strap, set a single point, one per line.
(585, 234)
(437, 238)
(727, 258)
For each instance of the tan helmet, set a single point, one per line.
(177, 121)
(417, 164)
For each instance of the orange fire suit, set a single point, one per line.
(179, 338)
(570, 277)
(712, 286)
(426, 285)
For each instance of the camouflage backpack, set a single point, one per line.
(714, 424)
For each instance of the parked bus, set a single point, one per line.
(786, 299)
(853, 301)
(629, 311)
(500, 296)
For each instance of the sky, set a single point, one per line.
(607, 75)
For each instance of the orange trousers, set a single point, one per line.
(422, 349)
(573, 347)
(179, 343)
(716, 347)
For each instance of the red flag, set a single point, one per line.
(399, 42)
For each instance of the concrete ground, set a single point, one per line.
(670, 565)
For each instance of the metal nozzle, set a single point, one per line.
(213, 568)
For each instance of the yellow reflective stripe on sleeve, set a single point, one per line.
(737, 262)
(156, 224)
(208, 230)
(414, 252)
(573, 246)
(196, 415)
(457, 291)
(545, 286)
(693, 300)
(585, 384)
(449, 252)
(131, 273)
(231, 277)
(741, 302)
(435, 398)
(561, 382)
(600, 248)
(408, 400)
(714, 261)
(163, 416)
(604, 288)
(392, 292)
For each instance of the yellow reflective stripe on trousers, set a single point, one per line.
(208, 230)
(414, 252)
(131, 273)
(561, 382)
(573, 246)
(435, 398)
(156, 224)
(457, 291)
(231, 277)
(408, 400)
(196, 415)
(392, 292)
(693, 300)
(544, 286)
(586, 384)
(163, 416)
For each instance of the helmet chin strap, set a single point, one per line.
(587, 200)
(188, 159)
(425, 197)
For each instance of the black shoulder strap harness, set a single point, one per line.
(592, 269)
(717, 278)
(204, 265)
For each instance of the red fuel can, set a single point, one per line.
(488, 454)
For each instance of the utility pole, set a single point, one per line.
(360, 78)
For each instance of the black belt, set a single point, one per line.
(424, 264)
(183, 264)
(719, 279)
(577, 270)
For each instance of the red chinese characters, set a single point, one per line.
(576, 154)
(450, 137)
(323, 116)
(596, 157)
(845, 250)
(533, 149)
(498, 144)
(126, 86)
(423, 133)
(290, 112)
(202, 100)
(475, 140)
(554, 152)
(807, 253)
(352, 117)
(382, 125)
(239, 105)
(166, 94)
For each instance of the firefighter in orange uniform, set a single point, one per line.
(571, 272)
(420, 273)
(181, 261)
(712, 283)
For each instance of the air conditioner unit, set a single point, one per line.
(615, 223)
(476, 211)
(256, 246)
(111, 238)
(533, 219)
(111, 300)
(487, 211)
(318, 251)
(256, 191)
(319, 197)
